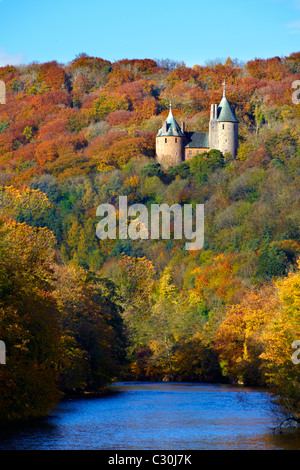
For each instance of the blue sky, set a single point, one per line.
(192, 31)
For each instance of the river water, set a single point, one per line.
(165, 416)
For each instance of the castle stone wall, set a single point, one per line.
(170, 150)
(228, 137)
(191, 152)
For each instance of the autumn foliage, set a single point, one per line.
(75, 311)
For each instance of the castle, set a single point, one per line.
(174, 145)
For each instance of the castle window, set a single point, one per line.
(175, 140)
(166, 140)
(190, 152)
(223, 126)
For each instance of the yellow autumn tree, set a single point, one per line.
(238, 341)
(15, 200)
(281, 372)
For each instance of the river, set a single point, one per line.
(158, 415)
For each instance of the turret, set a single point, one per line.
(227, 127)
(170, 142)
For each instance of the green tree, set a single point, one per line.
(204, 164)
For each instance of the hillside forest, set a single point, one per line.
(77, 312)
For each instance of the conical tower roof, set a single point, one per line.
(172, 127)
(225, 113)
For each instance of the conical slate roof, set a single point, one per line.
(172, 127)
(225, 113)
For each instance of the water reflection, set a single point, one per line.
(159, 416)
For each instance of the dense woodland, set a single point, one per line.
(77, 312)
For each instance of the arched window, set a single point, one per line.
(166, 140)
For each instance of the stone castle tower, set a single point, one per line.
(170, 142)
(174, 145)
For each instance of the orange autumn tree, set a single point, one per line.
(119, 77)
(136, 92)
(122, 118)
(115, 149)
(145, 66)
(53, 75)
(218, 281)
(270, 69)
